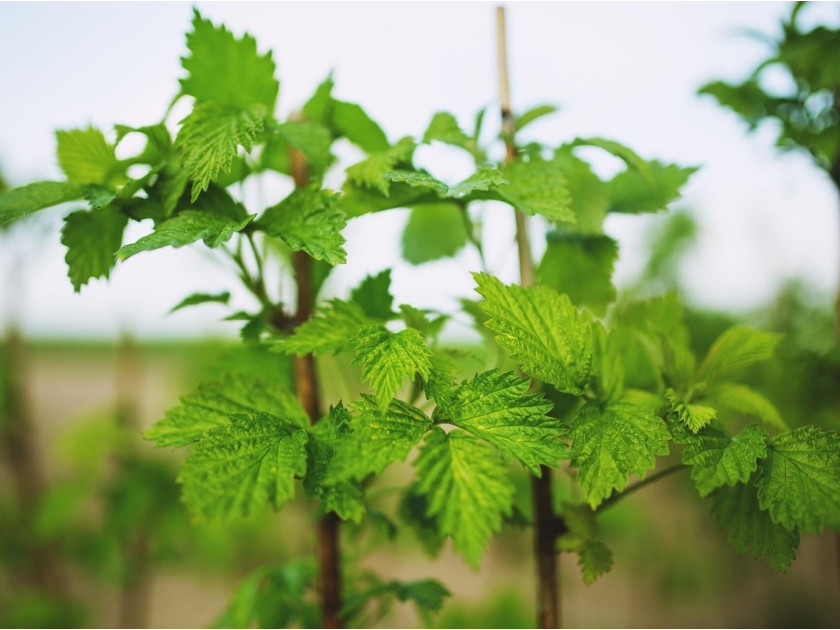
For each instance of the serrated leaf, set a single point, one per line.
(735, 349)
(745, 400)
(590, 196)
(496, 406)
(99, 196)
(466, 485)
(353, 123)
(594, 559)
(736, 509)
(210, 137)
(374, 296)
(610, 444)
(387, 359)
(201, 298)
(535, 113)
(92, 239)
(214, 402)
(541, 330)
(308, 220)
(635, 192)
(332, 329)
(538, 187)
(444, 128)
(486, 178)
(718, 459)
(312, 139)
(227, 70)
(427, 595)
(86, 157)
(581, 267)
(693, 417)
(371, 172)
(19, 202)
(607, 367)
(241, 467)
(799, 481)
(433, 231)
(377, 438)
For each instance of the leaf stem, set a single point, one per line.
(640, 484)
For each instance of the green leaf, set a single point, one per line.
(799, 481)
(607, 367)
(308, 220)
(497, 407)
(694, 417)
(92, 239)
(312, 139)
(538, 187)
(214, 402)
(319, 106)
(541, 330)
(332, 329)
(201, 298)
(610, 444)
(444, 128)
(594, 559)
(413, 511)
(581, 267)
(227, 70)
(86, 157)
(746, 401)
(433, 231)
(466, 485)
(371, 172)
(635, 192)
(535, 113)
(427, 595)
(735, 349)
(736, 509)
(353, 123)
(718, 459)
(18, 202)
(213, 218)
(486, 178)
(374, 296)
(377, 438)
(241, 467)
(590, 196)
(210, 137)
(387, 359)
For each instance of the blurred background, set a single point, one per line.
(755, 239)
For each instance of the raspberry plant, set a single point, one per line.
(570, 383)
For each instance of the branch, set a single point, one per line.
(638, 485)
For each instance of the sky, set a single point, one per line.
(625, 71)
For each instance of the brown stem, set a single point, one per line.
(306, 382)
(834, 174)
(135, 591)
(545, 521)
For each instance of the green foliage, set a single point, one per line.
(464, 480)
(371, 172)
(86, 157)
(201, 298)
(433, 231)
(19, 202)
(374, 296)
(332, 329)
(538, 187)
(92, 239)
(736, 349)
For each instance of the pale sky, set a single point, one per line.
(624, 71)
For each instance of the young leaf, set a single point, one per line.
(444, 128)
(308, 220)
(744, 400)
(332, 329)
(590, 196)
(388, 358)
(86, 157)
(377, 438)
(371, 172)
(736, 509)
(799, 481)
(433, 231)
(610, 444)
(496, 406)
(538, 187)
(227, 70)
(92, 239)
(467, 488)
(581, 267)
(718, 459)
(374, 296)
(18, 202)
(212, 404)
(201, 298)
(594, 559)
(694, 417)
(353, 123)
(737, 348)
(632, 191)
(541, 330)
(535, 113)
(210, 137)
(319, 106)
(240, 467)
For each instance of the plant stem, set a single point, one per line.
(306, 382)
(639, 485)
(545, 522)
